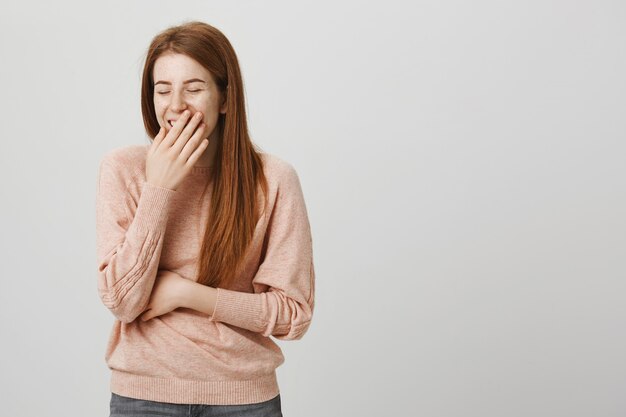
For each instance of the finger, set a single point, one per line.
(146, 310)
(157, 140)
(187, 132)
(197, 153)
(173, 133)
(159, 137)
(194, 142)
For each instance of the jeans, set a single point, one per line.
(124, 406)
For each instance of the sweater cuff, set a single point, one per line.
(153, 207)
(241, 309)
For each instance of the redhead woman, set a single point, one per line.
(204, 245)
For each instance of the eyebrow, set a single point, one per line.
(193, 80)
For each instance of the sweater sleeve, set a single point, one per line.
(128, 246)
(285, 310)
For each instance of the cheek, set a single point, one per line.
(203, 104)
(159, 107)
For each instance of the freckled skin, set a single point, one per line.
(170, 100)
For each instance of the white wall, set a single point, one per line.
(464, 170)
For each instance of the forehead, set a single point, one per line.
(177, 67)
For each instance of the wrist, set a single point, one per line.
(198, 297)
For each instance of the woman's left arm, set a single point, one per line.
(285, 310)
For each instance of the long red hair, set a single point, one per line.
(238, 167)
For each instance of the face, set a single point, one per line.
(181, 83)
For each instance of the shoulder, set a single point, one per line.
(282, 178)
(278, 170)
(126, 161)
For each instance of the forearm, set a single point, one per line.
(199, 297)
(129, 250)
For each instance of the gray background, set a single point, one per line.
(463, 166)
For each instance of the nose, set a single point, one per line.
(178, 103)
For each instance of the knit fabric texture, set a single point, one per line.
(186, 356)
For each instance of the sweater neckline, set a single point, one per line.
(201, 170)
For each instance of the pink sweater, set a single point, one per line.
(186, 356)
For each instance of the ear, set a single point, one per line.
(223, 105)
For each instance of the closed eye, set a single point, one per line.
(165, 92)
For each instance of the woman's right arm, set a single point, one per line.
(128, 246)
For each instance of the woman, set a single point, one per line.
(203, 243)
